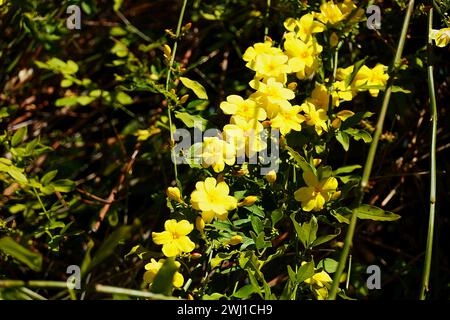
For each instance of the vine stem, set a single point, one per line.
(371, 155)
(168, 78)
(429, 247)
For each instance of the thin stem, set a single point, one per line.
(266, 29)
(129, 292)
(41, 203)
(429, 248)
(371, 155)
(169, 73)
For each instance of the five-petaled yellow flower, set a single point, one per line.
(314, 196)
(216, 153)
(174, 239)
(376, 76)
(247, 109)
(288, 119)
(212, 199)
(315, 117)
(153, 267)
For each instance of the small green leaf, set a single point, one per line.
(343, 139)
(198, 89)
(48, 177)
(66, 101)
(306, 271)
(366, 211)
(17, 175)
(124, 98)
(64, 185)
(346, 169)
(32, 259)
(328, 265)
(19, 136)
(192, 121)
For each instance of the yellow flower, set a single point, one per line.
(267, 61)
(376, 76)
(320, 97)
(441, 37)
(153, 268)
(344, 92)
(271, 177)
(174, 239)
(174, 194)
(330, 13)
(304, 27)
(217, 153)
(320, 283)
(347, 6)
(271, 66)
(288, 119)
(343, 73)
(314, 196)
(271, 95)
(315, 117)
(245, 136)
(236, 105)
(212, 199)
(301, 54)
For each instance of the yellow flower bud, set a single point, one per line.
(199, 224)
(248, 201)
(336, 123)
(292, 86)
(235, 240)
(174, 194)
(317, 162)
(271, 177)
(336, 195)
(184, 98)
(167, 51)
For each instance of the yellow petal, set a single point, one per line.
(178, 280)
(330, 184)
(310, 178)
(183, 227)
(162, 237)
(210, 184)
(184, 244)
(170, 249)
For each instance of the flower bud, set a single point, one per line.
(334, 40)
(317, 162)
(271, 177)
(235, 240)
(174, 194)
(292, 86)
(248, 201)
(184, 98)
(199, 224)
(167, 51)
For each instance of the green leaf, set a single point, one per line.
(124, 98)
(299, 159)
(198, 89)
(324, 239)
(192, 121)
(306, 232)
(17, 175)
(66, 101)
(305, 271)
(244, 292)
(65, 83)
(346, 169)
(64, 185)
(276, 216)
(32, 259)
(48, 177)
(19, 136)
(328, 265)
(366, 211)
(343, 139)
(163, 281)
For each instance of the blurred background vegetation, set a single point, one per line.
(75, 100)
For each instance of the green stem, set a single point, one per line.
(169, 73)
(428, 253)
(371, 155)
(266, 29)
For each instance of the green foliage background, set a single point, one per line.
(70, 130)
